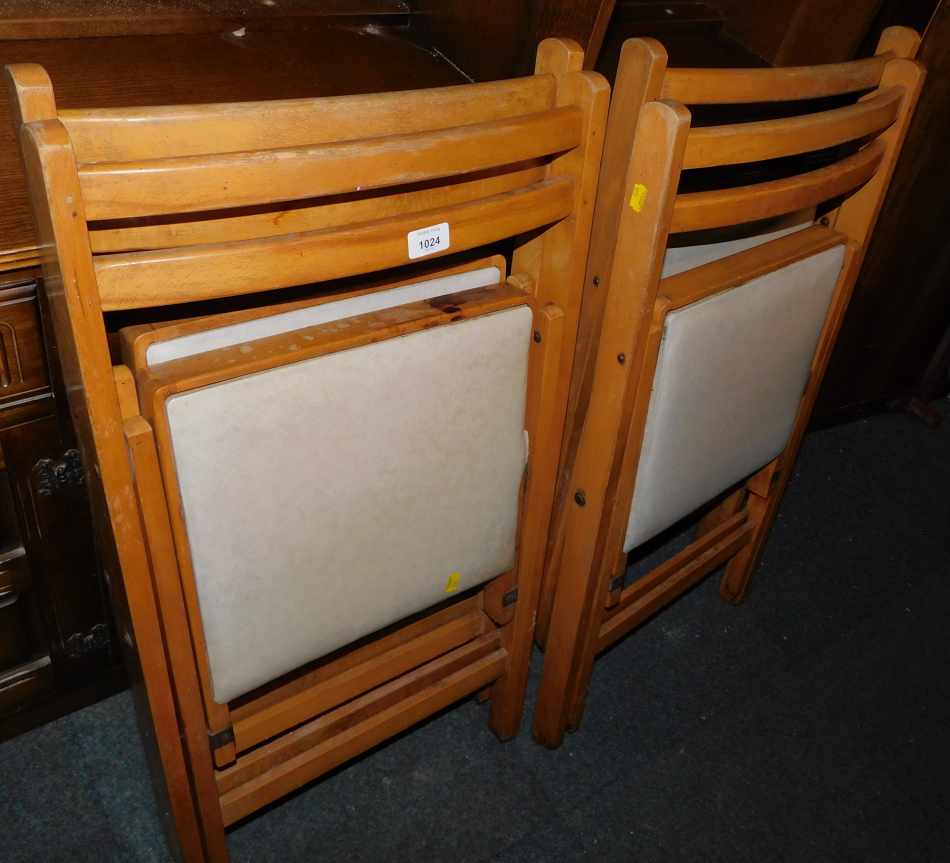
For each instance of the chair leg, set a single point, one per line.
(548, 591)
(517, 637)
(569, 659)
(765, 492)
(508, 692)
(726, 510)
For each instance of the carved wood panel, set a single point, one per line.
(49, 497)
(22, 362)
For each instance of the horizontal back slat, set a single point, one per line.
(697, 211)
(771, 139)
(311, 218)
(127, 134)
(140, 279)
(737, 86)
(201, 183)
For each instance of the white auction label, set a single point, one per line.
(428, 241)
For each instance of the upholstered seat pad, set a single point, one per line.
(691, 250)
(326, 499)
(731, 372)
(320, 313)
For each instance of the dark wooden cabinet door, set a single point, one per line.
(22, 361)
(57, 640)
(50, 500)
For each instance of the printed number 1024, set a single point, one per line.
(429, 241)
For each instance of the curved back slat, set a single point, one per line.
(740, 86)
(116, 236)
(200, 183)
(698, 211)
(167, 194)
(143, 279)
(128, 134)
(772, 139)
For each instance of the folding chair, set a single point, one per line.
(324, 519)
(701, 352)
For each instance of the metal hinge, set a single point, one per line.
(222, 738)
(51, 477)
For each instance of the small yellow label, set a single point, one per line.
(453, 582)
(638, 197)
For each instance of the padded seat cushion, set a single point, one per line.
(695, 248)
(328, 498)
(731, 372)
(319, 313)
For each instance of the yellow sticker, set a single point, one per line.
(453, 582)
(638, 197)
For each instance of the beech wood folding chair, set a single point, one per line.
(324, 520)
(702, 349)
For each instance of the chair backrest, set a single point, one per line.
(164, 207)
(645, 78)
(666, 145)
(687, 230)
(700, 353)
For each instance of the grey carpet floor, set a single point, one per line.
(811, 723)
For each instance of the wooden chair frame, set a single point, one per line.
(112, 191)
(649, 142)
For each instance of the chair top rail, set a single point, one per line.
(128, 134)
(107, 237)
(231, 180)
(141, 279)
(793, 83)
(709, 146)
(697, 211)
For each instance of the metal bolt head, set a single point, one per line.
(537, 335)
(580, 498)
(824, 221)
(621, 358)
(596, 281)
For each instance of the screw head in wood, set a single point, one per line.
(580, 498)
(621, 358)
(824, 221)
(537, 335)
(596, 281)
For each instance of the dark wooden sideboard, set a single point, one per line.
(58, 646)
(57, 639)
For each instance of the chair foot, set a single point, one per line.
(507, 705)
(919, 408)
(504, 730)
(732, 599)
(549, 738)
(738, 576)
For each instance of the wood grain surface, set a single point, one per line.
(207, 67)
